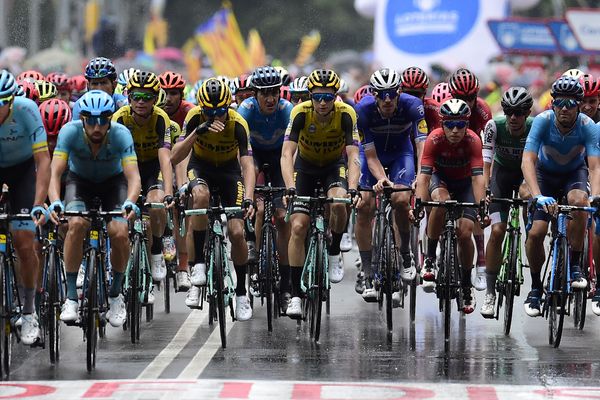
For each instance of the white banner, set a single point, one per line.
(422, 32)
(585, 24)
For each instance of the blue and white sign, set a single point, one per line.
(585, 24)
(567, 42)
(523, 36)
(423, 32)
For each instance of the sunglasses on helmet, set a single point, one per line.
(215, 112)
(96, 120)
(460, 124)
(326, 97)
(383, 94)
(139, 96)
(96, 73)
(6, 100)
(569, 103)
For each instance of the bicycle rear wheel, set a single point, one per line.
(133, 297)
(53, 327)
(446, 272)
(6, 312)
(510, 285)
(91, 327)
(266, 266)
(558, 296)
(416, 254)
(580, 295)
(320, 283)
(167, 288)
(219, 292)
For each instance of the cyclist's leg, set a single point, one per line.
(577, 195)
(337, 186)
(438, 191)
(200, 199)
(152, 186)
(362, 228)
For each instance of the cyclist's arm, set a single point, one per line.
(246, 160)
(427, 163)
(181, 171)
(420, 129)
(373, 162)
(186, 141)
(350, 130)
(134, 182)
(290, 146)
(594, 166)
(489, 142)
(530, 158)
(477, 178)
(164, 154)
(58, 167)
(42, 176)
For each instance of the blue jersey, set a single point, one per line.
(266, 131)
(119, 100)
(22, 134)
(116, 151)
(562, 153)
(391, 137)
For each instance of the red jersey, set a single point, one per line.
(480, 115)
(453, 162)
(181, 113)
(432, 116)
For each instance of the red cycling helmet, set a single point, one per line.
(30, 75)
(591, 86)
(30, 91)
(242, 82)
(79, 83)
(60, 80)
(284, 93)
(441, 92)
(414, 78)
(55, 113)
(463, 83)
(362, 91)
(171, 80)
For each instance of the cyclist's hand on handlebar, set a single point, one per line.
(169, 201)
(56, 209)
(378, 187)
(356, 197)
(248, 206)
(130, 210)
(40, 215)
(546, 203)
(288, 196)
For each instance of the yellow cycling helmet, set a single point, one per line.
(46, 90)
(162, 98)
(325, 78)
(214, 94)
(143, 80)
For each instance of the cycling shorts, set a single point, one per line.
(502, 184)
(559, 185)
(80, 193)
(20, 179)
(461, 191)
(308, 178)
(150, 175)
(401, 170)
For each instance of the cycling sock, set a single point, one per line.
(404, 241)
(72, 286)
(199, 237)
(240, 272)
(284, 270)
(29, 304)
(480, 244)
(365, 257)
(431, 247)
(336, 238)
(490, 279)
(156, 247)
(296, 273)
(536, 281)
(117, 284)
(575, 259)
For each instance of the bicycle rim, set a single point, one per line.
(388, 264)
(268, 268)
(91, 333)
(218, 282)
(511, 283)
(557, 305)
(319, 279)
(133, 292)
(447, 290)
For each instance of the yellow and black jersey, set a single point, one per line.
(218, 148)
(148, 138)
(322, 144)
(175, 132)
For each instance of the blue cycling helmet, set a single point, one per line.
(100, 67)
(567, 86)
(265, 78)
(8, 84)
(96, 103)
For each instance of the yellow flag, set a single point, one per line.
(256, 49)
(92, 19)
(308, 46)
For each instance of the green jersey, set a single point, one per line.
(502, 147)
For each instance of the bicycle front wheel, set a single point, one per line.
(133, 291)
(415, 246)
(91, 327)
(447, 270)
(388, 262)
(219, 290)
(53, 305)
(580, 295)
(4, 322)
(268, 259)
(558, 295)
(320, 282)
(510, 285)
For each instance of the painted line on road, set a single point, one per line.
(205, 354)
(179, 341)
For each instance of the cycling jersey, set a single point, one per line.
(218, 148)
(175, 132)
(480, 115)
(322, 144)
(148, 138)
(502, 147)
(119, 100)
(22, 134)
(116, 151)
(179, 115)
(562, 152)
(432, 113)
(266, 131)
(452, 162)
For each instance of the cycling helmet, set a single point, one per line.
(8, 84)
(284, 93)
(171, 80)
(46, 90)
(124, 76)
(567, 86)
(55, 113)
(214, 94)
(30, 76)
(385, 79)
(266, 77)
(517, 97)
(29, 91)
(285, 76)
(414, 78)
(143, 80)
(100, 67)
(324, 78)
(161, 99)
(60, 80)
(299, 85)
(242, 82)
(463, 83)
(365, 90)
(79, 83)
(441, 92)
(225, 80)
(96, 103)
(344, 89)
(591, 86)
(455, 109)
(574, 73)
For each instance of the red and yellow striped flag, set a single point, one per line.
(308, 46)
(256, 49)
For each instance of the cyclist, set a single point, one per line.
(415, 82)
(122, 80)
(591, 97)
(175, 106)
(28, 89)
(78, 87)
(299, 90)
(151, 130)
(387, 122)
(46, 90)
(441, 92)
(217, 135)
(101, 160)
(503, 142)
(554, 165)
(452, 168)
(361, 92)
(268, 116)
(63, 85)
(464, 85)
(101, 74)
(319, 130)
(25, 169)
(343, 93)
(55, 113)
(243, 88)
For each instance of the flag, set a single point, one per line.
(256, 49)
(155, 34)
(221, 40)
(92, 19)
(308, 46)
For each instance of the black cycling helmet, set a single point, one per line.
(265, 78)
(100, 67)
(567, 86)
(517, 97)
(214, 94)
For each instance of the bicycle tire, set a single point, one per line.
(510, 285)
(167, 289)
(447, 289)
(558, 297)
(416, 254)
(6, 311)
(388, 264)
(91, 327)
(219, 292)
(3, 320)
(580, 295)
(320, 281)
(268, 259)
(53, 304)
(133, 299)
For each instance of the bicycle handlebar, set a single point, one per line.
(219, 210)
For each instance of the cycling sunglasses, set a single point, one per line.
(138, 96)
(569, 103)
(455, 124)
(383, 94)
(326, 97)
(300, 97)
(5, 100)
(517, 112)
(468, 99)
(94, 120)
(215, 112)
(92, 73)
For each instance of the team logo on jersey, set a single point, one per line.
(312, 128)
(423, 127)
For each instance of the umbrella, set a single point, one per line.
(55, 59)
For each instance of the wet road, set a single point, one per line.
(354, 347)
